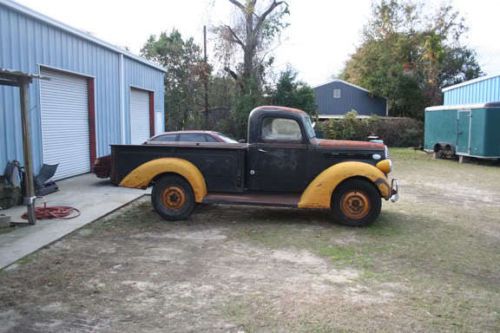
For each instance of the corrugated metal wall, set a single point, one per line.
(27, 44)
(137, 76)
(351, 98)
(484, 91)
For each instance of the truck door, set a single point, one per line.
(277, 161)
(463, 131)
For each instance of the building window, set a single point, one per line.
(336, 93)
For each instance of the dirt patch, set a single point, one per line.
(9, 319)
(205, 235)
(181, 278)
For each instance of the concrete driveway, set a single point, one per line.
(94, 198)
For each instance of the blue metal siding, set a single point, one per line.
(26, 44)
(474, 93)
(143, 77)
(351, 98)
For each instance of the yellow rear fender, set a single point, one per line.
(143, 175)
(318, 193)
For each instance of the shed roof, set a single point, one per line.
(466, 83)
(10, 77)
(491, 105)
(84, 35)
(346, 83)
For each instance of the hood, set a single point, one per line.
(348, 144)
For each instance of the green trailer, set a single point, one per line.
(465, 130)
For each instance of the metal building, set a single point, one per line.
(482, 90)
(468, 124)
(334, 99)
(97, 95)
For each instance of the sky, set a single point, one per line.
(321, 35)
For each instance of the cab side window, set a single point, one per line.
(281, 130)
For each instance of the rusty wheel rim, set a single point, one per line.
(174, 197)
(355, 205)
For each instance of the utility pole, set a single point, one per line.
(205, 74)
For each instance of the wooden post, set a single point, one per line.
(29, 186)
(205, 72)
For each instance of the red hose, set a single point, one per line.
(54, 212)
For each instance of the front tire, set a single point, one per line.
(356, 203)
(173, 198)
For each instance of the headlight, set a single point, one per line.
(385, 166)
(386, 151)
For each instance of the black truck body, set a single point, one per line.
(281, 162)
(277, 166)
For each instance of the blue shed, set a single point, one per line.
(97, 95)
(334, 99)
(482, 90)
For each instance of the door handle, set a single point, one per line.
(262, 150)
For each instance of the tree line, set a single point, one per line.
(405, 56)
(408, 55)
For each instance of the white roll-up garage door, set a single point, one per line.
(65, 123)
(139, 116)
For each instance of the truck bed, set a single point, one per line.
(222, 165)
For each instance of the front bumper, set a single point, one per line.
(394, 190)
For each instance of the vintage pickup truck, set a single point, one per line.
(282, 164)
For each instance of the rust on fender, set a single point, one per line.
(143, 175)
(318, 193)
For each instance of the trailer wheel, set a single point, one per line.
(356, 203)
(173, 198)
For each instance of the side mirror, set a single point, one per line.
(242, 141)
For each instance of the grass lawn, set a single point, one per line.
(430, 263)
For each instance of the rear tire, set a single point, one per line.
(173, 198)
(356, 203)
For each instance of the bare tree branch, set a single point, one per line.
(266, 13)
(247, 34)
(232, 73)
(234, 76)
(234, 36)
(238, 4)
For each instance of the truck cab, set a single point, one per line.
(282, 164)
(284, 154)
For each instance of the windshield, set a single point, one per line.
(226, 138)
(309, 127)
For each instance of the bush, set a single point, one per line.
(396, 132)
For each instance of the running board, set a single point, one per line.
(275, 200)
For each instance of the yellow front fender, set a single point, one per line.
(318, 193)
(142, 176)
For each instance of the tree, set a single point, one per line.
(292, 93)
(183, 79)
(253, 34)
(409, 57)
(245, 48)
